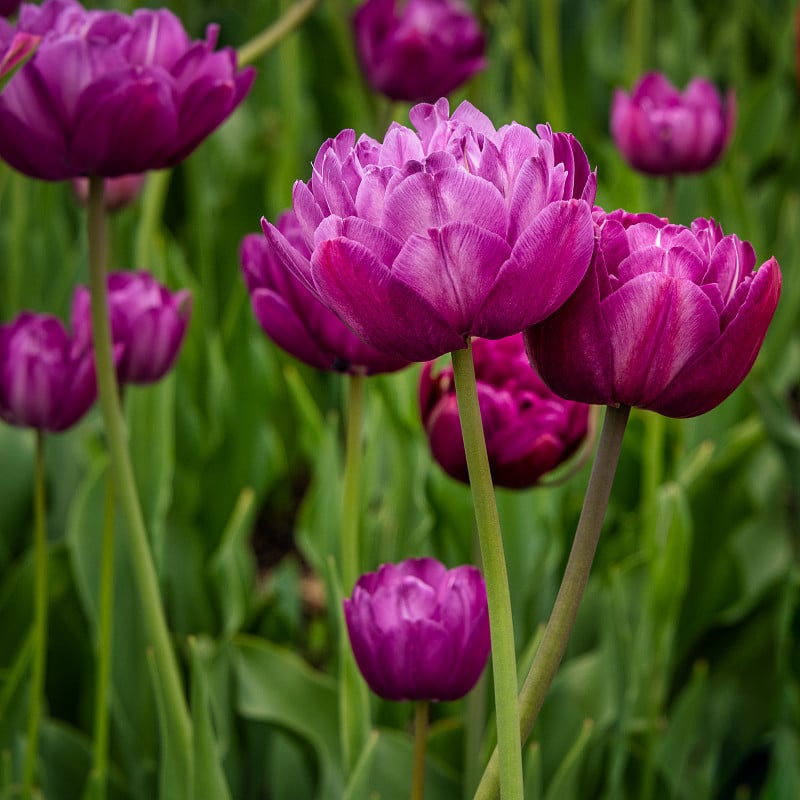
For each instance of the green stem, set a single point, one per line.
(40, 596)
(669, 198)
(576, 575)
(153, 198)
(268, 38)
(504, 663)
(639, 38)
(550, 28)
(116, 435)
(652, 470)
(420, 745)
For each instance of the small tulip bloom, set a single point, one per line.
(295, 319)
(148, 323)
(529, 430)
(110, 94)
(662, 131)
(117, 192)
(418, 630)
(47, 378)
(437, 235)
(417, 50)
(667, 318)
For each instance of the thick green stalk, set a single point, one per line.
(576, 576)
(550, 28)
(116, 435)
(40, 596)
(504, 662)
(420, 745)
(253, 50)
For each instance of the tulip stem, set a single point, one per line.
(576, 576)
(116, 435)
(504, 662)
(40, 597)
(253, 50)
(420, 745)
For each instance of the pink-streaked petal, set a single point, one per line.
(290, 256)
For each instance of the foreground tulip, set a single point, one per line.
(434, 236)
(529, 430)
(295, 320)
(418, 630)
(148, 323)
(662, 131)
(110, 94)
(667, 318)
(47, 378)
(417, 50)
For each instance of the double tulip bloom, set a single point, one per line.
(418, 630)
(662, 131)
(417, 50)
(111, 94)
(295, 319)
(667, 318)
(440, 234)
(529, 430)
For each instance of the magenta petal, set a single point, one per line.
(291, 258)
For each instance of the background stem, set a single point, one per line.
(420, 745)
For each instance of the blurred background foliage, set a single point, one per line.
(682, 679)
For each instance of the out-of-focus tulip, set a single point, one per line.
(662, 131)
(529, 430)
(667, 318)
(295, 319)
(110, 94)
(117, 192)
(47, 378)
(148, 323)
(417, 50)
(418, 630)
(450, 231)
(14, 48)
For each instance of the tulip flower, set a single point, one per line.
(117, 192)
(418, 630)
(662, 131)
(417, 50)
(667, 318)
(453, 231)
(529, 430)
(148, 323)
(295, 319)
(47, 378)
(109, 94)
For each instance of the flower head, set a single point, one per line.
(47, 378)
(148, 323)
(529, 430)
(418, 630)
(662, 131)
(450, 231)
(110, 94)
(117, 192)
(295, 319)
(417, 50)
(667, 318)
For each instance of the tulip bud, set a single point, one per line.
(418, 630)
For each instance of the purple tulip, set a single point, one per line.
(418, 50)
(434, 236)
(47, 379)
(529, 430)
(294, 319)
(418, 630)
(117, 192)
(663, 132)
(110, 94)
(667, 318)
(147, 321)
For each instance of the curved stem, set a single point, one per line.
(576, 576)
(116, 435)
(504, 662)
(268, 38)
(420, 745)
(40, 596)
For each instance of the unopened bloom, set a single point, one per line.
(111, 94)
(117, 192)
(418, 630)
(295, 319)
(667, 318)
(148, 323)
(451, 231)
(47, 378)
(662, 131)
(417, 50)
(529, 430)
